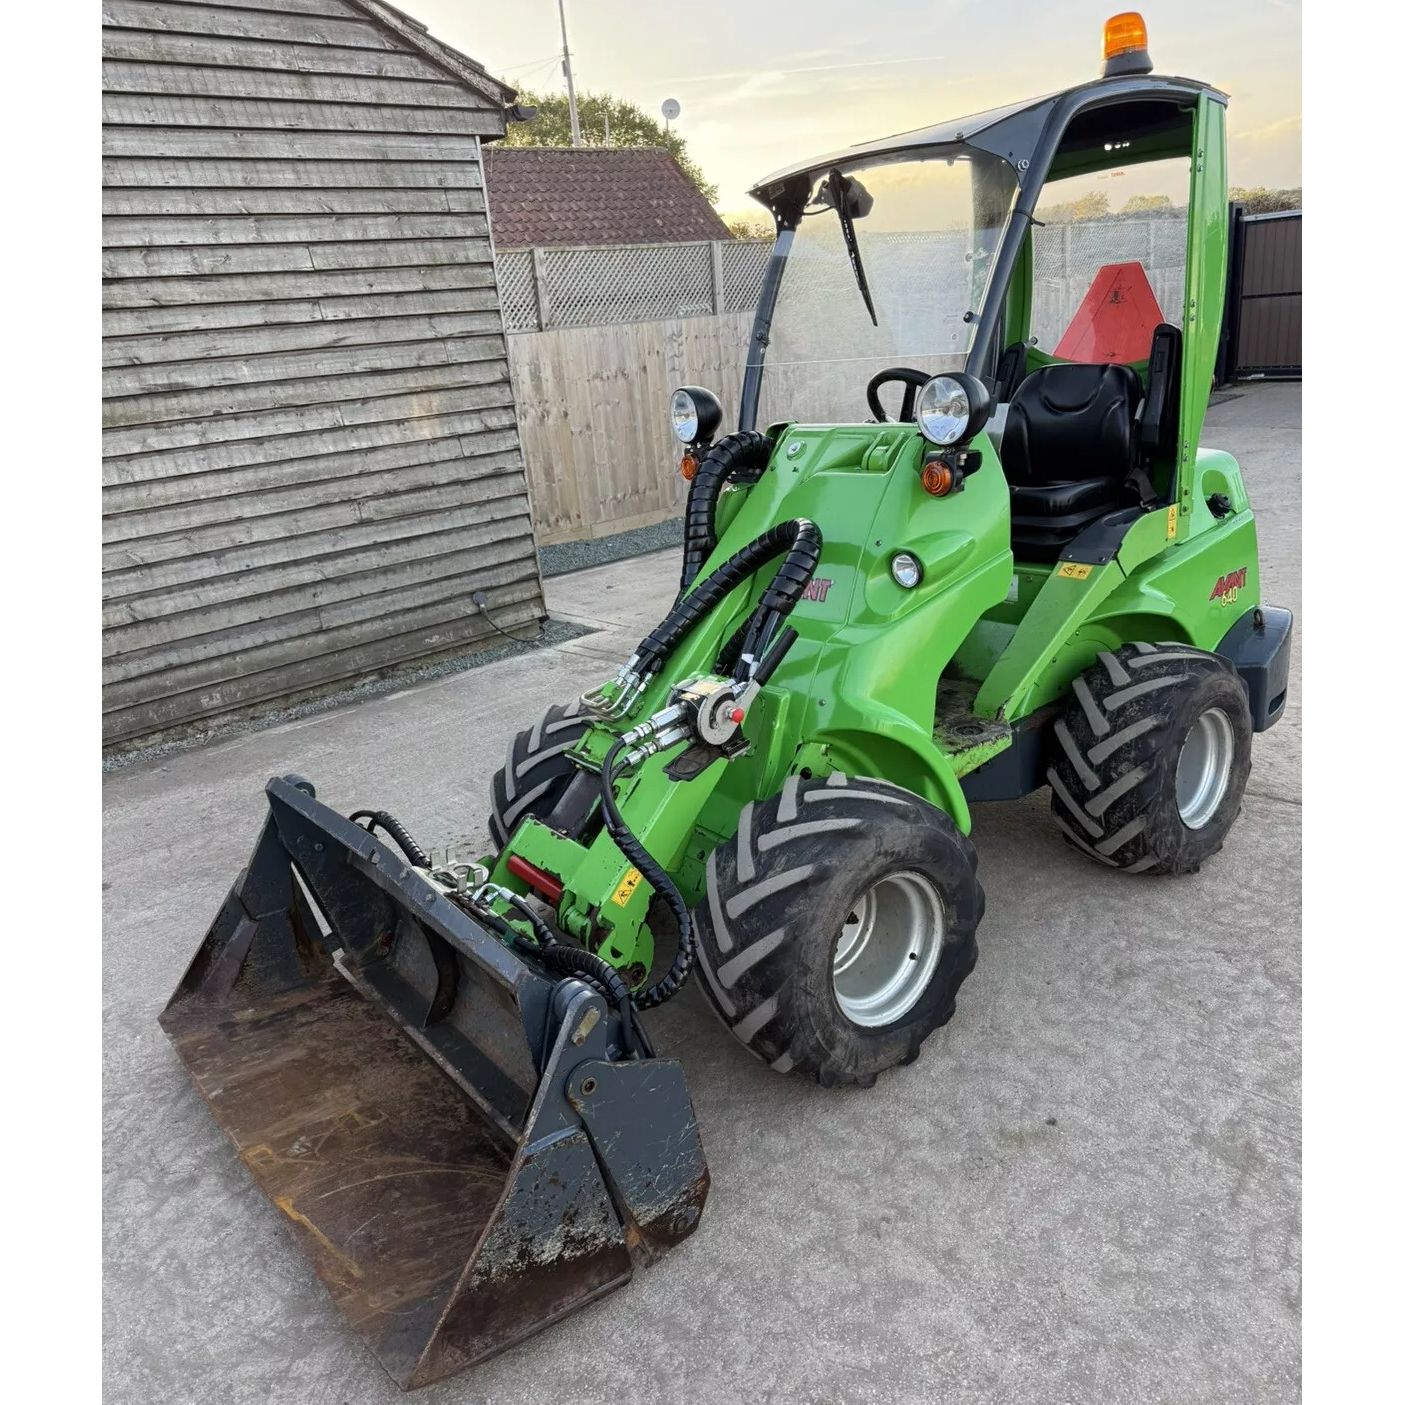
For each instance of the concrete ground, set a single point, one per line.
(1086, 1190)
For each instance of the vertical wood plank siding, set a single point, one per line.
(600, 451)
(311, 457)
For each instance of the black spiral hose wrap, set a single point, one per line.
(799, 540)
(677, 976)
(740, 457)
(576, 961)
(379, 819)
(565, 960)
(585, 966)
(597, 972)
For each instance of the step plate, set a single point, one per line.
(968, 740)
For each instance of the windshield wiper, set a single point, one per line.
(839, 195)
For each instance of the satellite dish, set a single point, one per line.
(671, 109)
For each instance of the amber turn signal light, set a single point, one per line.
(1124, 34)
(938, 479)
(688, 467)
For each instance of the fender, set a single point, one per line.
(902, 753)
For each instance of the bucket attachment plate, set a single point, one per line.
(461, 1170)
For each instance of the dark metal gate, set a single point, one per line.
(1263, 320)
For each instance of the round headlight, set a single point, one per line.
(951, 408)
(907, 570)
(685, 416)
(695, 413)
(943, 411)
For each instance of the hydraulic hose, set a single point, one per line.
(799, 540)
(771, 659)
(760, 631)
(732, 650)
(586, 966)
(379, 819)
(597, 972)
(628, 844)
(545, 936)
(742, 457)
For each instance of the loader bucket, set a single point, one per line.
(451, 1133)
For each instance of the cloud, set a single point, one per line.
(756, 86)
(1285, 128)
(805, 68)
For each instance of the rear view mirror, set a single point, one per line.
(857, 200)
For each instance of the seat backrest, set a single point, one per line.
(1159, 425)
(1011, 371)
(1070, 422)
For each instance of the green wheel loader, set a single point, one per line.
(962, 544)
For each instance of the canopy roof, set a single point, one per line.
(1008, 131)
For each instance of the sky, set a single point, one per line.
(763, 83)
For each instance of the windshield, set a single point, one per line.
(926, 244)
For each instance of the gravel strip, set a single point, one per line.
(578, 556)
(553, 632)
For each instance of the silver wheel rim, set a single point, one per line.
(1202, 773)
(888, 949)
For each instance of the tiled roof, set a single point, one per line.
(543, 196)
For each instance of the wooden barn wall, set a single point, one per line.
(311, 456)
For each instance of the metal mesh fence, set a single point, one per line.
(582, 287)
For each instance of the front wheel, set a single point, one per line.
(537, 770)
(1151, 758)
(837, 927)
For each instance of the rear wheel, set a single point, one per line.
(838, 926)
(536, 772)
(1151, 758)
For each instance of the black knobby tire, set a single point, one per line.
(537, 771)
(1117, 749)
(780, 892)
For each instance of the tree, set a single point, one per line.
(629, 125)
(1146, 204)
(1092, 206)
(749, 225)
(1260, 201)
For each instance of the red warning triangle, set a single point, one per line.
(1115, 320)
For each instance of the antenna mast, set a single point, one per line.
(570, 81)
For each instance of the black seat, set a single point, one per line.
(1068, 448)
(1160, 419)
(1011, 371)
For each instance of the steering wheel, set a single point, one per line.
(913, 380)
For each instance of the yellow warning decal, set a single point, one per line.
(1074, 572)
(628, 884)
(1171, 521)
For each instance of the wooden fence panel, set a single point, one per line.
(592, 406)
